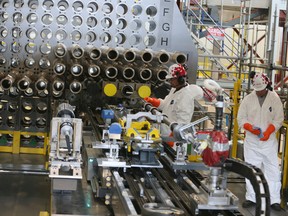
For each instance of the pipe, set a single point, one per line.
(93, 70)
(77, 52)
(58, 85)
(178, 57)
(26, 122)
(44, 63)
(146, 55)
(145, 74)
(128, 73)
(93, 52)
(41, 84)
(29, 62)
(7, 82)
(24, 83)
(15, 62)
(130, 55)
(75, 87)
(60, 50)
(161, 73)
(41, 107)
(59, 68)
(76, 69)
(110, 71)
(110, 53)
(162, 56)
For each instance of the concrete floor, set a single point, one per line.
(28, 194)
(239, 190)
(24, 195)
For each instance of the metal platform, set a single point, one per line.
(28, 193)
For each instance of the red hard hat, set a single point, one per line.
(260, 81)
(175, 71)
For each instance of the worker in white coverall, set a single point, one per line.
(178, 105)
(261, 115)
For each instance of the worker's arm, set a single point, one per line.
(242, 116)
(278, 113)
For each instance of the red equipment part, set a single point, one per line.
(218, 149)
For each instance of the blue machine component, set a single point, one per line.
(107, 114)
(115, 128)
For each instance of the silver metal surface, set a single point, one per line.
(60, 184)
(90, 162)
(78, 202)
(157, 209)
(47, 30)
(124, 198)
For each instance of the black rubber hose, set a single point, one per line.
(251, 172)
(68, 143)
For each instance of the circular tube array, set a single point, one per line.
(76, 69)
(7, 82)
(59, 68)
(128, 73)
(94, 53)
(130, 55)
(163, 57)
(145, 74)
(75, 87)
(111, 72)
(77, 52)
(146, 56)
(179, 58)
(41, 84)
(58, 85)
(94, 70)
(161, 74)
(24, 83)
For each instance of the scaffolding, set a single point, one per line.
(231, 46)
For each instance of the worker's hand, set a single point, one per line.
(171, 144)
(153, 101)
(249, 127)
(268, 132)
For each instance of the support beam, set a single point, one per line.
(255, 4)
(249, 48)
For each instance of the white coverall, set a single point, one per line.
(179, 106)
(262, 154)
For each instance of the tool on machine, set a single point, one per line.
(65, 142)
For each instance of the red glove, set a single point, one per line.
(268, 132)
(153, 101)
(249, 127)
(171, 144)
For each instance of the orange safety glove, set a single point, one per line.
(170, 143)
(268, 132)
(249, 127)
(153, 101)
